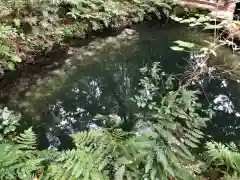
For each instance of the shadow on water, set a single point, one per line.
(100, 79)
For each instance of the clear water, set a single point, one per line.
(100, 77)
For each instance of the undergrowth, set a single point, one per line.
(31, 27)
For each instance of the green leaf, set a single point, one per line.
(153, 173)
(11, 66)
(6, 130)
(176, 48)
(185, 44)
(161, 157)
(188, 20)
(17, 22)
(5, 114)
(123, 160)
(16, 58)
(190, 143)
(212, 26)
(187, 96)
(149, 163)
(213, 52)
(12, 128)
(6, 122)
(204, 49)
(120, 173)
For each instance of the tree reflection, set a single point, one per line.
(99, 88)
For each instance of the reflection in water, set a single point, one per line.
(223, 94)
(101, 78)
(223, 103)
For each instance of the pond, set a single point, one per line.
(100, 77)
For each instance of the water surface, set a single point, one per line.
(101, 77)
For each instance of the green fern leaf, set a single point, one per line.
(27, 140)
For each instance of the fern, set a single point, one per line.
(175, 126)
(27, 140)
(221, 155)
(75, 164)
(234, 176)
(19, 160)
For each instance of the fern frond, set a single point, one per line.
(17, 163)
(76, 164)
(222, 155)
(27, 140)
(86, 138)
(234, 176)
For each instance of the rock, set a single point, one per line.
(225, 11)
(221, 14)
(222, 9)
